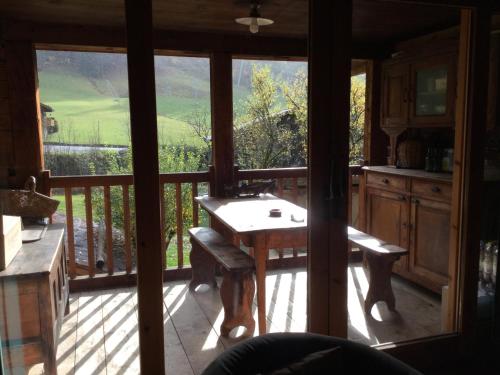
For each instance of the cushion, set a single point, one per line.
(321, 362)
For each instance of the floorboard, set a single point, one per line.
(100, 336)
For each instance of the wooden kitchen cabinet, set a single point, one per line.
(395, 83)
(429, 241)
(387, 219)
(34, 292)
(419, 93)
(410, 209)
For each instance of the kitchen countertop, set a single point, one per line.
(419, 173)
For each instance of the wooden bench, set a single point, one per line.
(380, 257)
(209, 248)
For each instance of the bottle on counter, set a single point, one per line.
(437, 162)
(433, 159)
(447, 160)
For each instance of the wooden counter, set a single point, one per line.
(34, 292)
(417, 173)
(411, 209)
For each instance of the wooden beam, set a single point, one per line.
(375, 140)
(330, 34)
(112, 39)
(449, 3)
(470, 130)
(358, 67)
(24, 110)
(141, 80)
(221, 91)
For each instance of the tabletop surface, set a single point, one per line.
(36, 257)
(246, 215)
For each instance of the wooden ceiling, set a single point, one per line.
(373, 21)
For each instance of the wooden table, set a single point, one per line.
(248, 220)
(34, 293)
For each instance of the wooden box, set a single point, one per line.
(10, 239)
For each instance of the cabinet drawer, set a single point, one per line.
(431, 189)
(386, 181)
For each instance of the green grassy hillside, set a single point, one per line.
(89, 94)
(86, 115)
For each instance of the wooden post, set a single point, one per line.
(470, 130)
(221, 90)
(24, 109)
(141, 80)
(330, 36)
(375, 141)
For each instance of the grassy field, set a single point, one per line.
(88, 114)
(78, 205)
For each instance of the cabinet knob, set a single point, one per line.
(436, 189)
(416, 201)
(402, 198)
(385, 181)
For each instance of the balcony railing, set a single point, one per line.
(109, 199)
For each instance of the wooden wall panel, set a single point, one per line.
(470, 130)
(376, 141)
(329, 106)
(141, 82)
(6, 156)
(221, 89)
(24, 111)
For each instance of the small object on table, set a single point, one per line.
(275, 212)
(297, 218)
(32, 233)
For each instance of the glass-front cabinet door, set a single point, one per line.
(432, 92)
(488, 298)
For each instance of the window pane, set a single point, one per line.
(270, 113)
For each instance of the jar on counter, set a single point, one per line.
(447, 160)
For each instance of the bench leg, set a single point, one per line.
(380, 288)
(237, 292)
(202, 266)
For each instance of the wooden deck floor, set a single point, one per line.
(99, 336)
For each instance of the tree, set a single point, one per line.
(261, 140)
(199, 121)
(296, 96)
(357, 120)
(171, 159)
(271, 131)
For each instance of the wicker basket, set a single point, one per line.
(411, 154)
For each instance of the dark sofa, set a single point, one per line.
(271, 352)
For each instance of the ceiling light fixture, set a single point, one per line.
(254, 20)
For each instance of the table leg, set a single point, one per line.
(260, 255)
